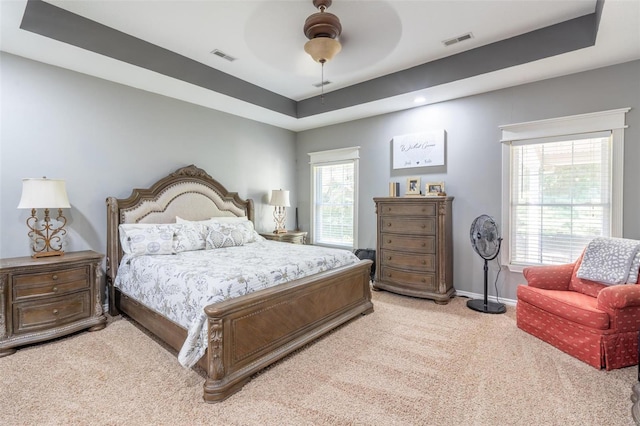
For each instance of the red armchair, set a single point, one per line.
(595, 323)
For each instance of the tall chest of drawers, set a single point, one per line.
(45, 298)
(414, 247)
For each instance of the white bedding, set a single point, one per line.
(179, 286)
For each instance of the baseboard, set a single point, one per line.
(509, 302)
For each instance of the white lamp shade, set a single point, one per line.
(42, 193)
(280, 198)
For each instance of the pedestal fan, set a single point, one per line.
(485, 240)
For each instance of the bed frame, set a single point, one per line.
(248, 333)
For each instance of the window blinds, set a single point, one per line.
(560, 197)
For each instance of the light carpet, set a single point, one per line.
(411, 362)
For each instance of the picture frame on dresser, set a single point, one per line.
(434, 189)
(413, 186)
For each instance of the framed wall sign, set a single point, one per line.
(419, 149)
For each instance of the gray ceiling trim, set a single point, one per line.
(554, 40)
(56, 23)
(59, 24)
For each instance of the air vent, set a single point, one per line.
(458, 39)
(223, 55)
(324, 83)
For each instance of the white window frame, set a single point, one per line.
(335, 156)
(547, 130)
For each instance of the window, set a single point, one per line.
(334, 189)
(562, 186)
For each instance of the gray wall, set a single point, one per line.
(104, 138)
(472, 173)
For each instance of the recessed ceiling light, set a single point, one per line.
(419, 100)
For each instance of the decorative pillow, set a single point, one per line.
(242, 223)
(222, 235)
(141, 239)
(189, 236)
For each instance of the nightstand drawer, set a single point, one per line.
(406, 243)
(415, 262)
(409, 280)
(50, 283)
(408, 209)
(423, 226)
(43, 314)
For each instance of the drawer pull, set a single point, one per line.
(389, 258)
(388, 224)
(424, 262)
(389, 241)
(55, 312)
(424, 244)
(389, 274)
(424, 280)
(54, 277)
(55, 289)
(424, 226)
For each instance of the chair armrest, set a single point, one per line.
(619, 296)
(549, 277)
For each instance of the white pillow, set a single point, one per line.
(141, 239)
(189, 236)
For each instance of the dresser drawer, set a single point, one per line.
(407, 209)
(406, 243)
(421, 226)
(50, 283)
(409, 280)
(43, 314)
(415, 262)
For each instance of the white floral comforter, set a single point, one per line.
(180, 286)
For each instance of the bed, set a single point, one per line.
(243, 334)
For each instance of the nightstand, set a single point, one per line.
(293, 237)
(45, 298)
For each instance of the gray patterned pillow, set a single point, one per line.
(224, 235)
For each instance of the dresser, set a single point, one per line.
(45, 298)
(293, 237)
(414, 247)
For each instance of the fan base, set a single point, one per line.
(488, 308)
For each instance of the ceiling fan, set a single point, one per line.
(322, 29)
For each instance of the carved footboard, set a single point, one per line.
(248, 334)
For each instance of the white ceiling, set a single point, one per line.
(378, 38)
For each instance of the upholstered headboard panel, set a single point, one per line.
(188, 200)
(189, 193)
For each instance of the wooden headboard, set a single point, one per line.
(189, 192)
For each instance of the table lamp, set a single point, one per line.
(279, 199)
(46, 236)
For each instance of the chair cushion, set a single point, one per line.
(570, 305)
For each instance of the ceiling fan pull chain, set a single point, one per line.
(322, 82)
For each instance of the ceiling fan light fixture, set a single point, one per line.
(322, 28)
(322, 49)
